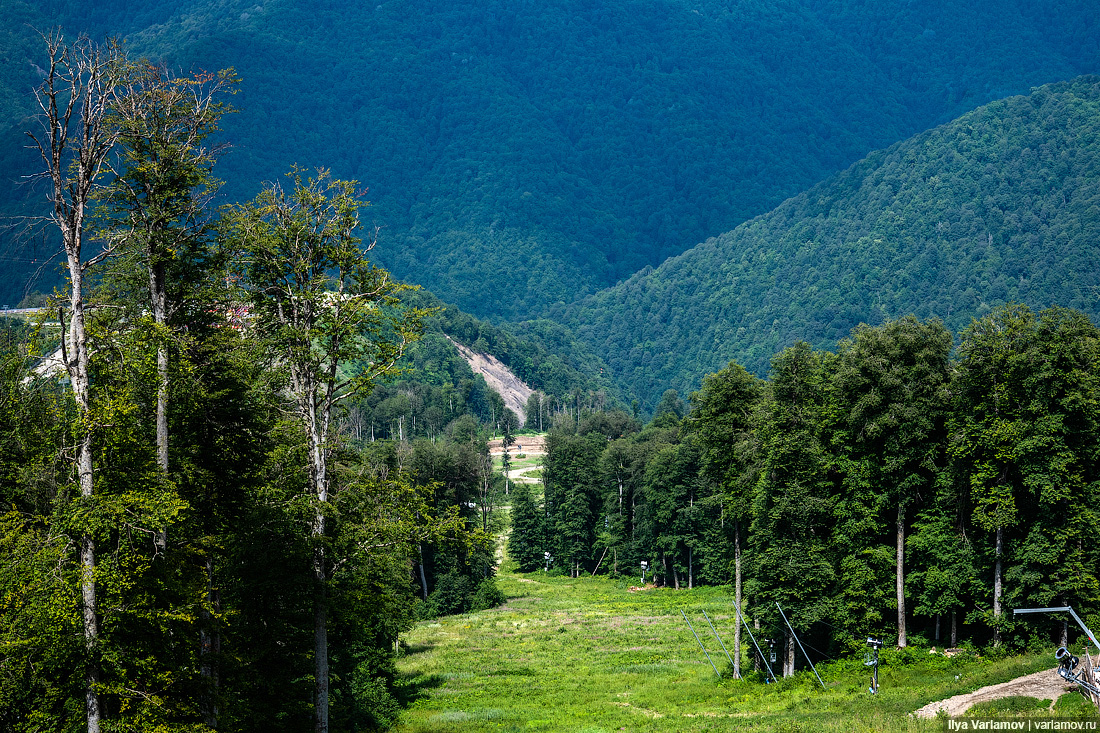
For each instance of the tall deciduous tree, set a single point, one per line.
(987, 430)
(156, 218)
(890, 393)
(723, 418)
(1024, 435)
(334, 324)
(74, 139)
(162, 185)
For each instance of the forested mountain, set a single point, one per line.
(1000, 205)
(522, 154)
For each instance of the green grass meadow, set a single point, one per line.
(589, 655)
(518, 461)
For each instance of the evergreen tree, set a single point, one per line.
(945, 566)
(668, 523)
(572, 498)
(622, 467)
(793, 560)
(527, 540)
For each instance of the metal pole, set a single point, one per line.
(719, 638)
(700, 642)
(1092, 636)
(875, 644)
(746, 623)
(799, 643)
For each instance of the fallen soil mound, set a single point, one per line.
(1045, 685)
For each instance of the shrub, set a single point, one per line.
(487, 596)
(452, 595)
(374, 708)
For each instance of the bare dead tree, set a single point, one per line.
(75, 137)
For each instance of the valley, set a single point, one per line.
(788, 301)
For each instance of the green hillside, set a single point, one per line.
(520, 155)
(1000, 205)
(543, 354)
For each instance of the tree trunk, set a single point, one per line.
(901, 576)
(318, 434)
(788, 654)
(954, 631)
(756, 659)
(620, 479)
(78, 366)
(423, 578)
(91, 633)
(633, 515)
(320, 620)
(737, 597)
(210, 647)
(159, 297)
(937, 627)
(320, 643)
(997, 589)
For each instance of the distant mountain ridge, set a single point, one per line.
(1002, 204)
(523, 154)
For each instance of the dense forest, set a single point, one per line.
(886, 489)
(554, 148)
(1000, 205)
(196, 534)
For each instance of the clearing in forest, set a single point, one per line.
(587, 654)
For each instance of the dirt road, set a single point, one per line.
(1045, 685)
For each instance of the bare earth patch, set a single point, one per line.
(534, 445)
(1045, 685)
(499, 377)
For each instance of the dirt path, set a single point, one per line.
(1045, 685)
(518, 475)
